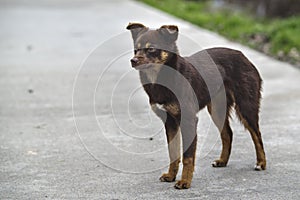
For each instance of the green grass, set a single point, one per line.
(277, 37)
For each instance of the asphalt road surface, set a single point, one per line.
(75, 123)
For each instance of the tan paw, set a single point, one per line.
(167, 178)
(182, 184)
(219, 163)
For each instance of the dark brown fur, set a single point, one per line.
(219, 78)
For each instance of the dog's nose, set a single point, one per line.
(134, 61)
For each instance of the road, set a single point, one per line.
(75, 123)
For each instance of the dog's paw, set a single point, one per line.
(219, 163)
(167, 178)
(183, 184)
(260, 166)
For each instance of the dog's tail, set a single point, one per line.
(247, 93)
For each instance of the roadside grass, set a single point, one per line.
(279, 38)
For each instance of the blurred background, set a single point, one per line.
(266, 8)
(270, 26)
(53, 55)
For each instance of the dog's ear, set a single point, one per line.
(170, 32)
(136, 29)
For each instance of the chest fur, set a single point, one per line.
(152, 73)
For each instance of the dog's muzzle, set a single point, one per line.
(139, 64)
(134, 62)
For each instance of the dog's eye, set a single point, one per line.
(135, 51)
(151, 49)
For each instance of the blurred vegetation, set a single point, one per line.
(278, 37)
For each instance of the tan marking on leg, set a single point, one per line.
(174, 147)
(220, 117)
(174, 155)
(260, 153)
(188, 168)
(187, 174)
(226, 146)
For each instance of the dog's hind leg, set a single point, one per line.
(247, 94)
(220, 113)
(249, 117)
(173, 138)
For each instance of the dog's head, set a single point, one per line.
(152, 47)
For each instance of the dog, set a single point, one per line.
(178, 87)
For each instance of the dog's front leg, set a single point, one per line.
(173, 138)
(189, 141)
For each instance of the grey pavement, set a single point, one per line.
(75, 124)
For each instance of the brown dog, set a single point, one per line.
(178, 88)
